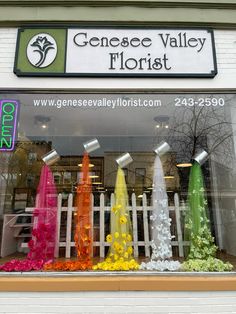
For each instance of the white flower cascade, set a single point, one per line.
(160, 225)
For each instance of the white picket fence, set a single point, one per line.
(68, 242)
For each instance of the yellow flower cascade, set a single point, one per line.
(120, 255)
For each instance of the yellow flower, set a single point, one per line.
(116, 208)
(129, 238)
(115, 257)
(120, 250)
(108, 260)
(109, 238)
(123, 220)
(123, 235)
(125, 266)
(119, 264)
(116, 245)
(117, 235)
(130, 250)
(126, 255)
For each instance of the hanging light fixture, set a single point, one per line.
(162, 122)
(184, 165)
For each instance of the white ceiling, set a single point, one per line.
(77, 121)
(119, 129)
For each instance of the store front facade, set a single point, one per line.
(131, 76)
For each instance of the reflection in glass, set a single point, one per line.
(195, 121)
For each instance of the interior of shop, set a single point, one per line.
(133, 123)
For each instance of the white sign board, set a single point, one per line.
(124, 52)
(140, 52)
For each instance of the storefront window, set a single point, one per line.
(133, 123)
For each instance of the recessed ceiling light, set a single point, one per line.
(162, 121)
(169, 177)
(93, 177)
(97, 183)
(42, 121)
(140, 196)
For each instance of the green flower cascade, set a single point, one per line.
(201, 255)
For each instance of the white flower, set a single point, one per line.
(163, 216)
(164, 203)
(153, 217)
(161, 265)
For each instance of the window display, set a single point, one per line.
(160, 221)
(43, 237)
(120, 182)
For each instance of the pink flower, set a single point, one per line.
(37, 265)
(22, 265)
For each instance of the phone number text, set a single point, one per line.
(201, 102)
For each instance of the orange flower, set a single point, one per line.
(69, 266)
(83, 233)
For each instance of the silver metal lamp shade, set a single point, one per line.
(91, 145)
(200, 156)
(124, 160)
(162, 148)
(51, 157)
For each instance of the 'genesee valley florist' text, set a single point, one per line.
(120, 60)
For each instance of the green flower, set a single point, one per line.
(208, 265)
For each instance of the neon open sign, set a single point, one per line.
(8, 124)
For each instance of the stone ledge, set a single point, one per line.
(118, 283)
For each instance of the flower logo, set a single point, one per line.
(41, 50)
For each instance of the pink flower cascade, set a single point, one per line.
(43, 242)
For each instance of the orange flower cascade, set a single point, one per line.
(83, 232)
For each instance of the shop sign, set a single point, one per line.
(124, 52)
(8, 124)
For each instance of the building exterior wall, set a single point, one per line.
(221, 15)
(119, 302)
(225, 80)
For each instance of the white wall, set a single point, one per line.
(226, 78)
(119, 302)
